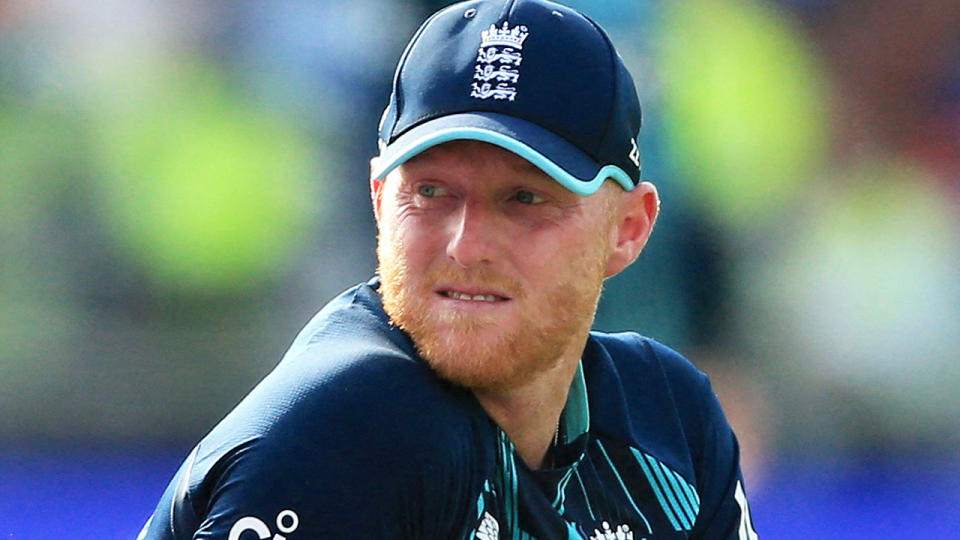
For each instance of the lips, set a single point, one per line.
(472, 297)
(480, 292)
(479, 288)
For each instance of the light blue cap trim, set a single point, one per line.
(567, 180)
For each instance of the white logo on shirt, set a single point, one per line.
(287, 522)
(489, 529)
(623, 532)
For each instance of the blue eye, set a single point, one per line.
(427, 190)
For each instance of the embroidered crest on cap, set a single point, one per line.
(497, 61)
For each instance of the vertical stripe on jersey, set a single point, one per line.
(480, 505)
(658, 492)
(676, 496)
(509, 479)
(691, 494)
(558, 503)
(675, 481)
(671, 498)
(572, 532)
(623, 486)
(586, 497)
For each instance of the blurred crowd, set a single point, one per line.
(183, 184)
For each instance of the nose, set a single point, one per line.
(474, 236)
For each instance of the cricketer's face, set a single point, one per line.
(492, 267)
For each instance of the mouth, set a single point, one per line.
(480, 294)
(473, 297)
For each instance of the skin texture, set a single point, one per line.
(495, 271)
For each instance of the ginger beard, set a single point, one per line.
(480, 352)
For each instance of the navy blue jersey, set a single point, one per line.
(354, 436)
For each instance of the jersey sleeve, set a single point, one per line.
(724, 511)
(368, 455)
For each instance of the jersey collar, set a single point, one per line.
(575, 419)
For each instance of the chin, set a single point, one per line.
(488, 357)
(483, 352)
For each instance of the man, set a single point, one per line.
(461, 394)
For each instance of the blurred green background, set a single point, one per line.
(182, 185)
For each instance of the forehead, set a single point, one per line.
(468, 153)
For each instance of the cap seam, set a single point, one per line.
(398, 97)
(507, 10)
(612, 65)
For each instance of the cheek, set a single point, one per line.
(410, 239)
(579, 256)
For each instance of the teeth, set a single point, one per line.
(472, 297)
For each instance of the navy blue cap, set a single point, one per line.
(531, 76)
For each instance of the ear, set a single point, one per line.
(376, 191)
(637, 212)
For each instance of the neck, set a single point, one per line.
(529, 413)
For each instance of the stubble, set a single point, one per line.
(481, 352)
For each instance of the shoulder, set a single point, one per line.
(640, 358)
(350, 418)
(351, 376)
(657, 399)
